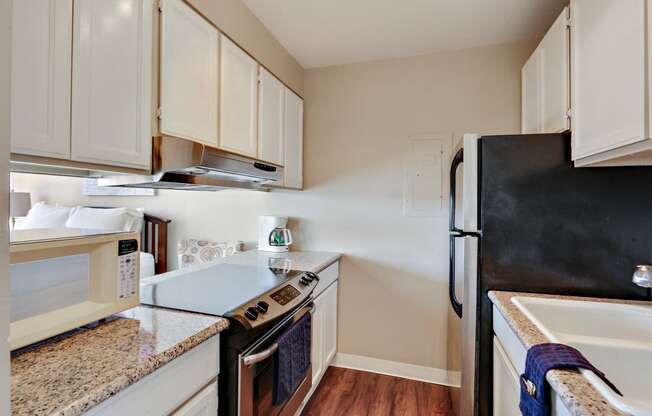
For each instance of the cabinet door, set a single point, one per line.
(189, 74)
(531, 94)
(238, 103)
(506, 384)
(203, 403)
(41, 59)
(271, 109)
(111, 89)
(608, 74)
(330, 324)
(293, 140)
(555, 76)
(317, 340)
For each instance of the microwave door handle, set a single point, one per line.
(253, 359)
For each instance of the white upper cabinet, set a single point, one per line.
(293, 141)
(189, 74)
(555, 76)
(609, 85)
(531, 95)
(238, 100)
(545, 82)
(271, 115)
(40, 100)
(111, 88)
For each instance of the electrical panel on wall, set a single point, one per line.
(424, 179)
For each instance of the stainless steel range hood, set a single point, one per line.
(187, 165)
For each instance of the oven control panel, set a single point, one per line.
(275, 303)
(285, 295)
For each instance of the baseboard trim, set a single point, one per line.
(397, 369)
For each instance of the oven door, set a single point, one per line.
(256, 373)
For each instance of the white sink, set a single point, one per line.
(616, 338)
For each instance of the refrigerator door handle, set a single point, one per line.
(455, 303)
(453, 232)
(457, 161)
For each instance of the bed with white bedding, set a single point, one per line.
(153, 229)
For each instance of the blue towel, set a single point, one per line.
(535, 394)
(292, 360)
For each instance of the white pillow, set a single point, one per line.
(112, 219)
(147, 267)
(42, 215)
(136, 217)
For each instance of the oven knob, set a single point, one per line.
(262, 306)
(312, 276)
(304, 281)
(251, 313)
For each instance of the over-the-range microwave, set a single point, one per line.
(62, 279)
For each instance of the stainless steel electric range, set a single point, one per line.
(261, 304)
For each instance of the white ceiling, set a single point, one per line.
(331, 32)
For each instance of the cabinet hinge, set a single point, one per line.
(159, 113)
(569, 113)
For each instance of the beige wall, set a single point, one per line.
(236, 20)
(394, 302)
(5, 94)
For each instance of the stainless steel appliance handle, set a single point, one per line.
(453, 233)
(251, 360)
(261, 356)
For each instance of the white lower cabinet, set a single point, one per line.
(317, 357)
(329, 308)
(186, 386)
(324, 326)
(508, 363)
(324, 332)
(506, 384)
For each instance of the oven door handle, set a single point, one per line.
(252, 359)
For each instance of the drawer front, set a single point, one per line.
(203, 403)
(327, 277)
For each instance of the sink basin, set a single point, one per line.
(616, 338)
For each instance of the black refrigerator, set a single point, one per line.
(532, 222)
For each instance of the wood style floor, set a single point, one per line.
(358, 393)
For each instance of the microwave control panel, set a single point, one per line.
(127, 268)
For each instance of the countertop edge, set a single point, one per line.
(577, 394)
(99, 395)
(326, 263)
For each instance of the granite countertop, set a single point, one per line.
(69, 374)
(309, 261)
(579, 396)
